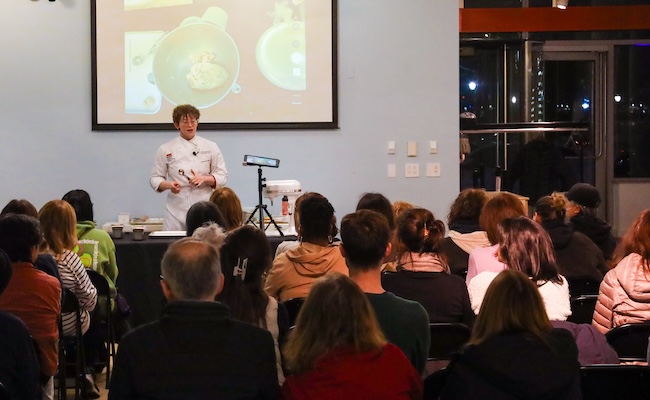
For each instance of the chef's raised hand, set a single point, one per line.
(202, 180)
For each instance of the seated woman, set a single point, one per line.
(625, 290)
(498, 207)
(203, 213)
(294, 271)
(465, 233)
(230, 206)
(292, 244)
(58, 222)
(95, 247)
(245, 258)
(514, 351)
(526, 247)
(337, 350)
(577, 256)
(422, 272)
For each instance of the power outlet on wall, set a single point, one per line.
(411, 170)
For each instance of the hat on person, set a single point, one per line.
(5, 270)
(584, 194)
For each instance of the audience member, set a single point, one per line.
(32, 295)
(379, 203)
(576, 255)
(514, 352)
(365, 241)
(96, 251)
(245, 258)
(211, 233)
(465, 233)
(195, 350)
(585, 200)
(526, 247)
(625, 290)
(58, 222)
(422, 272)
(337, 350)
(294, 271)
(399, 207)
(500, 206)
(230, 206)
(95, 247)
(292, 244)
(45, 262)
(202, 213)
(19, 368)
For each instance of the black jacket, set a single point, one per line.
(515, 366)
(195, 351)
(599, 231)
(576, 255)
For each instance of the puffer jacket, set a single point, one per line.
(624, 295)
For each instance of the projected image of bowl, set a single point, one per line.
(281, 55)
(196, 63)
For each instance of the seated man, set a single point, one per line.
(365, 238)
(31, 295)
(195, 351)
(19, 369)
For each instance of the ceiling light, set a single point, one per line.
(561, 4)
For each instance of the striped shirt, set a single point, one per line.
(74, 277)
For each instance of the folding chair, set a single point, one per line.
(105, 315)
(71, 305)
(630, 341)
(293, 308)
(606, 382)
(582, 308)
(582, 286)
(446, 339)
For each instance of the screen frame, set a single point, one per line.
(333, 123)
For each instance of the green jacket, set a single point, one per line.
(96, 250)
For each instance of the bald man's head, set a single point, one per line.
(192, 270)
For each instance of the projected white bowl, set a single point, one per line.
(196, 63)
(281, 55)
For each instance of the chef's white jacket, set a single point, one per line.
(199, 154)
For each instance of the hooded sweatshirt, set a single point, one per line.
(516, 366)
(295, 271)
(597, 230)
(624, 296)
(96, 250)
(576, 255)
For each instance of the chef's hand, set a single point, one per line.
(175, 187)
(202, 180)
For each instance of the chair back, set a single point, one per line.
(606, 382)
(71, 305)
(582, 308)
(4, 392)
(447, 339)
(434, 383)
(582, 286)
(630, 341)
(293, 308)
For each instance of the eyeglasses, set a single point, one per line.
(189, 121)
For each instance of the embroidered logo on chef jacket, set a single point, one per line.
(169, 157)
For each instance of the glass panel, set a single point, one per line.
(631, 115)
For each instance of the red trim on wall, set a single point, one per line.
(549, 19)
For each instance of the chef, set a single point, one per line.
(190, 167)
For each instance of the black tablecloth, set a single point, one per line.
(139, 277)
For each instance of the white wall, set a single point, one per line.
(398, 80)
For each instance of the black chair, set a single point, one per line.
(71, 305)
(630, 341)
(434, 383)
(582, 309)
(447, 339)
(4, 393)
(293, 308)
(105, 315)
(610, 382)
(582, 286)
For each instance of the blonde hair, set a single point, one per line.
(399, 207)
(336, 314)
(230, 206)
(512, 303)
(59, 225)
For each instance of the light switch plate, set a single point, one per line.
(412, 149)
(392, 171)
(391, 147)
(433, 146)
(433, 170)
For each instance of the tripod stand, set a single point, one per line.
(260, 207)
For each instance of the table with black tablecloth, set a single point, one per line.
(139, 277)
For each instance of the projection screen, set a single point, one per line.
(246, 64)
